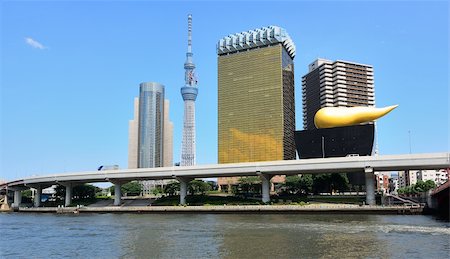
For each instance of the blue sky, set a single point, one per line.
(70, 71)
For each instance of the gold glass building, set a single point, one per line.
(256, 97)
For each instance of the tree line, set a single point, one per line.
(135, 188)
(299, 184)
(417, 188)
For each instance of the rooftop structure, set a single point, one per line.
(257, 38)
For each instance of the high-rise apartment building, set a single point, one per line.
(256, 120)
(335, 84)
(150, 132)
(151, 125)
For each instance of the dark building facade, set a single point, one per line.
(354, 140)
(335, 84)
(335, 142)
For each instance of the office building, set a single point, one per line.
(189, 93)
(335, 84)
(256, 109)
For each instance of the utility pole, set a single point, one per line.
(323, 147)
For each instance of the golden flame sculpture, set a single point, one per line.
(330, 117)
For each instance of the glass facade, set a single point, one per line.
(256, 105)
(150, 136)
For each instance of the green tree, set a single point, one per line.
(306, 183)
(339, 182)
(249, 184)
(198, 187)
(133, 188)
(172, 188)
(330, 183)
(292, 184)
(85, 191)
(157, 190)
(321, 183)
(213, 185)
(27, 193)
(60, 192)
(419, 187)
(411, 189)
(429, 184)
(79, 192)
(295, 184)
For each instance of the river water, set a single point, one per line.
(222, 236)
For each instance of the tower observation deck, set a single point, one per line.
(189, 93)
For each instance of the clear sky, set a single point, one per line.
(70, 71)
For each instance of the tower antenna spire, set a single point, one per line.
(189, 33)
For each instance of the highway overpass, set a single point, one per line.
(266, 170)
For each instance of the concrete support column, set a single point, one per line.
(5, 204)
(68, 199)
(6, 197)
(265, 179)
(431, 202)
(17, 198)
(183, 189)
(37, 196)
(117, 194)
(370, 186)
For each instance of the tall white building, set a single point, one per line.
(335, 84)
(437, 176)
(408, 178)
(189, 93)
(133, 137)
(168, 137)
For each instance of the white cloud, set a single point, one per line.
(35, 44)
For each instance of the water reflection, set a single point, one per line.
(293, 235)
(222, 236)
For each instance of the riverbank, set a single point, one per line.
(254, 209)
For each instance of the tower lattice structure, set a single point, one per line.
(189, 93)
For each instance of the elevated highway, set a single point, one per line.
(266, 170)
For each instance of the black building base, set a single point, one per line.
(337, 142)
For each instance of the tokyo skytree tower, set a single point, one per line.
(189, 92)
